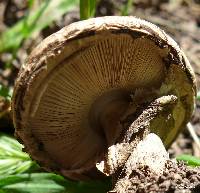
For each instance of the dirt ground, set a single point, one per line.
(175, 179)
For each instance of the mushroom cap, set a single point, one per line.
(85, 76)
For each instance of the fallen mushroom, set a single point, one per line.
(99, 86)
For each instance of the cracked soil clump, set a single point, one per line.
(177, 178)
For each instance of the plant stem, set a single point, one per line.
(126, 8)
(87, 9)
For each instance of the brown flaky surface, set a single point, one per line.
(71, 77)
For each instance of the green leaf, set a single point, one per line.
(12, 159)
(34, 22)
(10, 147)
(33, 183)
(50, 183)
(189, 159)
(87, 9)
(13, 164)
(5, 92)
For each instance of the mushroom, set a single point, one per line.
(97, 83)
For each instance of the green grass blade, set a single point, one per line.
(126, 8)
(87, 9)
(198, 95)
(92, 8)
(34, 22)
(29, 25)
(30, 3)
(189, 159)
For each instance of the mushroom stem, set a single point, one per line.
(109, 120)
(118, 154)
(149, 153)
(106, 112)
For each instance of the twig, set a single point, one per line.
(193, 134)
